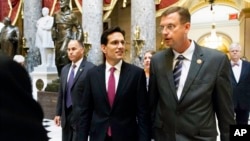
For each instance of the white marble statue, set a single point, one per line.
(1, 26)
(43, 37)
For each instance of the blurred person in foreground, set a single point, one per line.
(189, 85)
(71, 90)
(241, 84)
(21, 116)
(115, 101)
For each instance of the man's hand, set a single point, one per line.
(57, 120)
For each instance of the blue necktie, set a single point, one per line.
(177, 70)
(70, 83)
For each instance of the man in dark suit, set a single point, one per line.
(186, 98)
(241, 84)
(114, 104)
(71, 89)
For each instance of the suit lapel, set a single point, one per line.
(243, 71)
(80, 70)
(124, 75)
(65, 78)
(233, 79)
(196, 63)
(169, 70)
(102, 83)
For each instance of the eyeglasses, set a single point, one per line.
(169, 27)
(116, 42)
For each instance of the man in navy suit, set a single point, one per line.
(187, 99)
(69, 97)
(123, 116)
(241, 84)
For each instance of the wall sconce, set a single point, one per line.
(24, 46)
(87, 45)
(124, 4)
(24, 42)
(137, 42)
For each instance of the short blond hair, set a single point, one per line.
(235, 45)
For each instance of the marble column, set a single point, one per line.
(244, 34)
(92, 24)
(143, 34)
(31, 13)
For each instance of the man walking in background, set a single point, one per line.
(240, 79)
(71, 90)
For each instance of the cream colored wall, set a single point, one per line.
(231, 30)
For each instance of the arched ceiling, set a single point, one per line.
(219, 13)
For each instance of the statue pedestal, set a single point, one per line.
(48, 101)
(41, 76)
(50, 56)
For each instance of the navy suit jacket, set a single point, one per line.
(129, 116)
(76, 91)
(241, 90)
(207, 92)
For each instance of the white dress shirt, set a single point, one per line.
(237, 69)
(116, 73)
(78, 63)
(188, 54)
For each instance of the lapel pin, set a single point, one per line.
(199, 61)
(80, 69)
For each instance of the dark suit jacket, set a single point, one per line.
(76, 91)
(207, 91)
(129, 116)
(241, 90)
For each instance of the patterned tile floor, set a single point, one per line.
(54, 132)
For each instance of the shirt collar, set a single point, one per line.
(187, 53)
(78, 63)
(239, 62)
(117, 66)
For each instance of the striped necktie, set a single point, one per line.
(177, 70)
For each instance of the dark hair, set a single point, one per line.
(106, 33)
(78, 41)
(183, 12)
